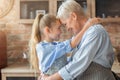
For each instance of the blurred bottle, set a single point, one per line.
(32, 15)
(24, 9)
(85, 7)
(103, 15)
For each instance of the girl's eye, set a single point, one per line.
(58, 27)
(64, 24)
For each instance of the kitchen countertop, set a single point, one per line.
(18, 67)
(19, 70)
(25, 68)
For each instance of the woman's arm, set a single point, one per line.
(87, 56)
(56, 76)
(75, 41)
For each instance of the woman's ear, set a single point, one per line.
(74, 16)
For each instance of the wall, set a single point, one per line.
(18, 35)
(114, 32)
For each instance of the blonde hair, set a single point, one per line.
(70, 6)
(37, 30)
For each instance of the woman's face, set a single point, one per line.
(71, 24)
(55, 31)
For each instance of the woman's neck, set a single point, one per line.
(84, 20)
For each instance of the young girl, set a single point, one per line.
(51, 55)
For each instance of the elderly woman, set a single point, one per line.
(92, 59)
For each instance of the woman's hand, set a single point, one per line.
(95, 20)
(91, 22)
(43, 77)
(55, 76)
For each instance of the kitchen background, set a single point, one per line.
(18, 31)
(17, 16)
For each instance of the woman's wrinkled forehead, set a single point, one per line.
(62, 21)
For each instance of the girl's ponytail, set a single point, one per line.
(35, 38)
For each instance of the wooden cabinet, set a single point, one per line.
(108, 10)
(3, 50)
(84, 3)
(28, 9)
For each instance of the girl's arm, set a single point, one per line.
(75, 41)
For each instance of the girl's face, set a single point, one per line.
(55, 31)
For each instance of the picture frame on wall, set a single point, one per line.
(40, 12)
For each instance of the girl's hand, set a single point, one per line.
(93, 21)
(39, 78)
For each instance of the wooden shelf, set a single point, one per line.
(26, 21)
(106, 12)
(30, 8)
(110, 20)
(53, 6)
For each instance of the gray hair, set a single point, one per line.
(69, 6)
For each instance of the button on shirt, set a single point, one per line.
(95, 46)
(48, 52)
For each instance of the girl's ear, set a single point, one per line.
(73, 15)
(47, 30)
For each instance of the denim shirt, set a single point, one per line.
(95, 46)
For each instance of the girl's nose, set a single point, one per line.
(60, 31)
(69, 29)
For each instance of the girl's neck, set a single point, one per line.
(48, 39)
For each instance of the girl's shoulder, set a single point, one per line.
(42, 44)
(46, 45)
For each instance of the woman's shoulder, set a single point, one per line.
(96, 29)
